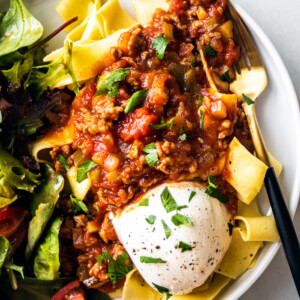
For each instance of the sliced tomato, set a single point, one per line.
(72, 291)
(14, 224)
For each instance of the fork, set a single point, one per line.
(251, 80)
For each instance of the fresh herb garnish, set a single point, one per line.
(225, 77)
(83, 170)
(183, 135)
(168, 201)
(162, 290)
(181, 207)
(230, 227)
(151, 157)
(144, 202)
(151, 219)
(63, 161)
(136, 99)
(192, 195)
(70, 69)
(160, 45)
(179, 219)
(166, 229)
(197, 94)
(96, 207)
(151, 260)
(209, 50)
(192, 62)
(214, 190)
(248, 100)
(117, 269)
(163, 124)
(111, 84)
(78, 205)
(201, 120)
(184, 247)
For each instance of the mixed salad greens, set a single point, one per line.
(29, 191)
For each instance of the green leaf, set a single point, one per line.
(63, 161)
(192, 62)
(160, 45)
(248, 100)
(83, 170)
(182, 136)
(75, 83)
(166, 229)
(192, 195)
(225, 77)
(184, 247)
(78, 205)
(18, 28)
(208, 50)
(42, 206)
(181, 207)
(179, 219)
(201, 120)
(162, 290)
(96, 207)
(111, 84)
(136, 99)
(117, 269)
(214, 190)
(46, 262)
(7, 194)
(144, 202)
(151, 157)
(198, 94)
(151, 260)
(230, 227)
(163, 124)
(151, 219)
(168, 201)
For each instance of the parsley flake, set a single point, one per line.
(163, 124)
(198, 94)
(225, 77)
(151, 260)
(184, 247)
(192, 195)
(162, 290)
(168, 201)
(78, 205)
(63, 161)
(230, 227)
(179, 219)
(192, 62)
(111, 84)
(201, 120)
(136, 99)
(151, 219)
(166, 229)
(151, 157)
(248, 100)
(117, 269)
(214, 190)
(83, 170)
(183, 135)
(160, 45)
(209, 50)
(181, 207)
(96, 207)
(144, 202)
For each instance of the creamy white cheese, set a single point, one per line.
(208, 235)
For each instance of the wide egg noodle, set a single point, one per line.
(144, 9)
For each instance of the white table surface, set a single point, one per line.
(281, 22)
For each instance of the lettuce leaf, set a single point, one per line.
(18, 28)
(46, 262)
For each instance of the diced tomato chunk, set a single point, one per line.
(135, 124)
(85, 97)
(72, 291)
(176, 6)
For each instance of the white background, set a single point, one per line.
(280, 20)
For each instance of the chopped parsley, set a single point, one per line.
(179, 219)
(136, 99)
(192, 195)
(181, 207)
(201, 120)
(209, 50)
(182, 134)
(192, 62)
(230, 227)
(117, 269)
(198, 94)
(144, 202)
(63, 161)
(225, 77)
(248, 100)
(160, 45)
(96, 207)
(166, 229)
(163, 124)
(184, 247)
(151, 219)
(151, 260)
(78, 205)
(162, 290)
(83, 170)
(151, 157)
(168, 201)
(111, 84)
(214, 190)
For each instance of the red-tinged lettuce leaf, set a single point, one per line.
(42, 206)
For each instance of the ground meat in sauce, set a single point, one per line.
(115, 140)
